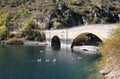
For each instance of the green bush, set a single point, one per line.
(29, 24)
(25, 13)
(117, 11)
(105, 20)
(3, 32)
(96, 20)
(72, 2)
(33, 35)
(62, 20)
(42, 25)
(56, 24)
(4, 19)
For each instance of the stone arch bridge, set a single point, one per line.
(68, 35)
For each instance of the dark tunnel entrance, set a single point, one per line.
(55, 43)
(86, 39)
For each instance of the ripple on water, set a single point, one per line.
(25, 62)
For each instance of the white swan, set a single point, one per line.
(79, 57)
(41, 51)
(54, 60)
(47, 60)
(39, 60)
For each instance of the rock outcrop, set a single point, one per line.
(14, 42)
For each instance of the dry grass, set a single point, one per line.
(111, 50)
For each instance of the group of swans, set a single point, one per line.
(47, 60)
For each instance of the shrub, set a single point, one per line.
(62, 20)
(42, 25)
(96, 20)
(56, 24)
(29, 24)
(117, 11)
(25, 13)
(3, 32)
(4, 19)
(33, 35)
(105, 20)
(72, 2)
(26, 26)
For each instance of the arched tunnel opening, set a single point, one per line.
(86, 39)
(55, 43)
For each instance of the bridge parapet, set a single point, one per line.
(100, 30)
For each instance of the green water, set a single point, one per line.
(44, 62)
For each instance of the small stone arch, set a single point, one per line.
(84, 37)
(56, 41)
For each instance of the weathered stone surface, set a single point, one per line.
(111, 74)
(71, 33)
(14, 42)
(105, 72)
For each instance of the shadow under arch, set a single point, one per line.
(86, 39)
(55, 43)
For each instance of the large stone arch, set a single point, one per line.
(67, 35)
(98, 34)
(80, 35)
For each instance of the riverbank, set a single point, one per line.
(23, 42)
(111, 73)
(34, 43)
(110, 63)
(110, 68)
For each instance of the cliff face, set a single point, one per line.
(47, 14)
(65, 12)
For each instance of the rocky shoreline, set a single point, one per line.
(34, 43)
(24, 42)
(110, 74)
(111, 71)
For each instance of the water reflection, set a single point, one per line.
(44, 62)
(56, 47)
(86, 57)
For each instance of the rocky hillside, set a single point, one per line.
(24, 15)
(110, 63)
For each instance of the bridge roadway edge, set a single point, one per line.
(101, 30)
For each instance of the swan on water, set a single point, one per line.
(79, 57)
(41, 51)
(39, 60)
(54, 60)
(47, 60)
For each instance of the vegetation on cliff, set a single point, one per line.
(111, 54)
(21, 15)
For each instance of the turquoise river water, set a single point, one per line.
(45, 62)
